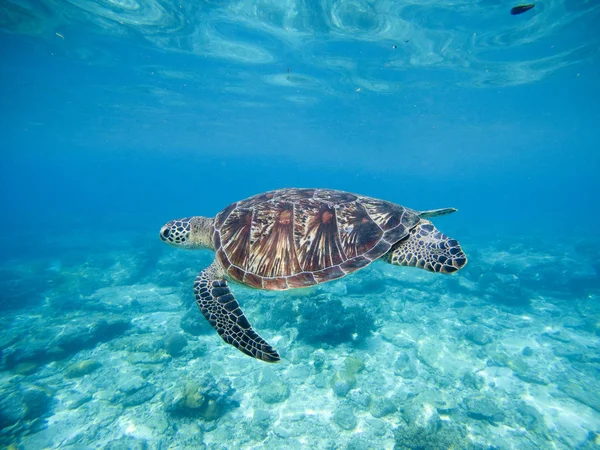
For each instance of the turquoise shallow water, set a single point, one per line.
(110, 352)
(119, 116)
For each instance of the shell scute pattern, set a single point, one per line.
(387, 215)
(223, 215)
(358, 232)
(301, 237)
(272, 249)
(316, 237)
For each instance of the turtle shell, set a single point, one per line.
(292, 238)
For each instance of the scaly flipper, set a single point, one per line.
(436, 212)
(428, 248)
(221, 309)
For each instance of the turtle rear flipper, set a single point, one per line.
(428, 248)
(221, 309)
(436, 212)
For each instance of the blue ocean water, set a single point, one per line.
(118, 116)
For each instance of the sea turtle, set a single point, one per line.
(295, 238)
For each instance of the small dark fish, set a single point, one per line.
(520, 9)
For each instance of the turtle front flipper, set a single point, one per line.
(428, 248)
(221, 309)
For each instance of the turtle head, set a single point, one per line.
(188, 232)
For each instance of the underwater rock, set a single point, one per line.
(583, 283)
(509, 291)
(519, 366)
(473, 381)
(193, 398)
(125, 297)
(26, 368)
(77, 338)
(409, 373)
(193, 323)
(328, 321)
(383, 406)
(34, 351)
(583, 354)
(274, 392)
(444, 438)
(283, 433)
(300, 354)
(402, 336)
(531, 377)
(353, 365)
(344, 418)
(557, 335)
(204, 398)
(307, 426)
(592, 325)
(300, 372)
(588, 395)
(188, 401)
(478, 335)
(487, 280)
(126, 442)
(503, 288)
(319, 360)
(497, 359)
(198, 350)
(429, 352)
(143, 358)
(37, 401)
(531, 419)
(363, 441)
(131, 383)
(527, 351)
(260, 425)
(29, 403)
(465, 285)
(140, 396)
(483, 408)
(278, 314)
(572, 322)
(43, 439)
(174, 344)
(82, 368)
(321, 380)
(342, 382)
(12, 409)
(379, 427)
(262, 419)
(405, 367)
(422, 414)
(74, 399)
(359, 399)
(133, 390)
(8, 340)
